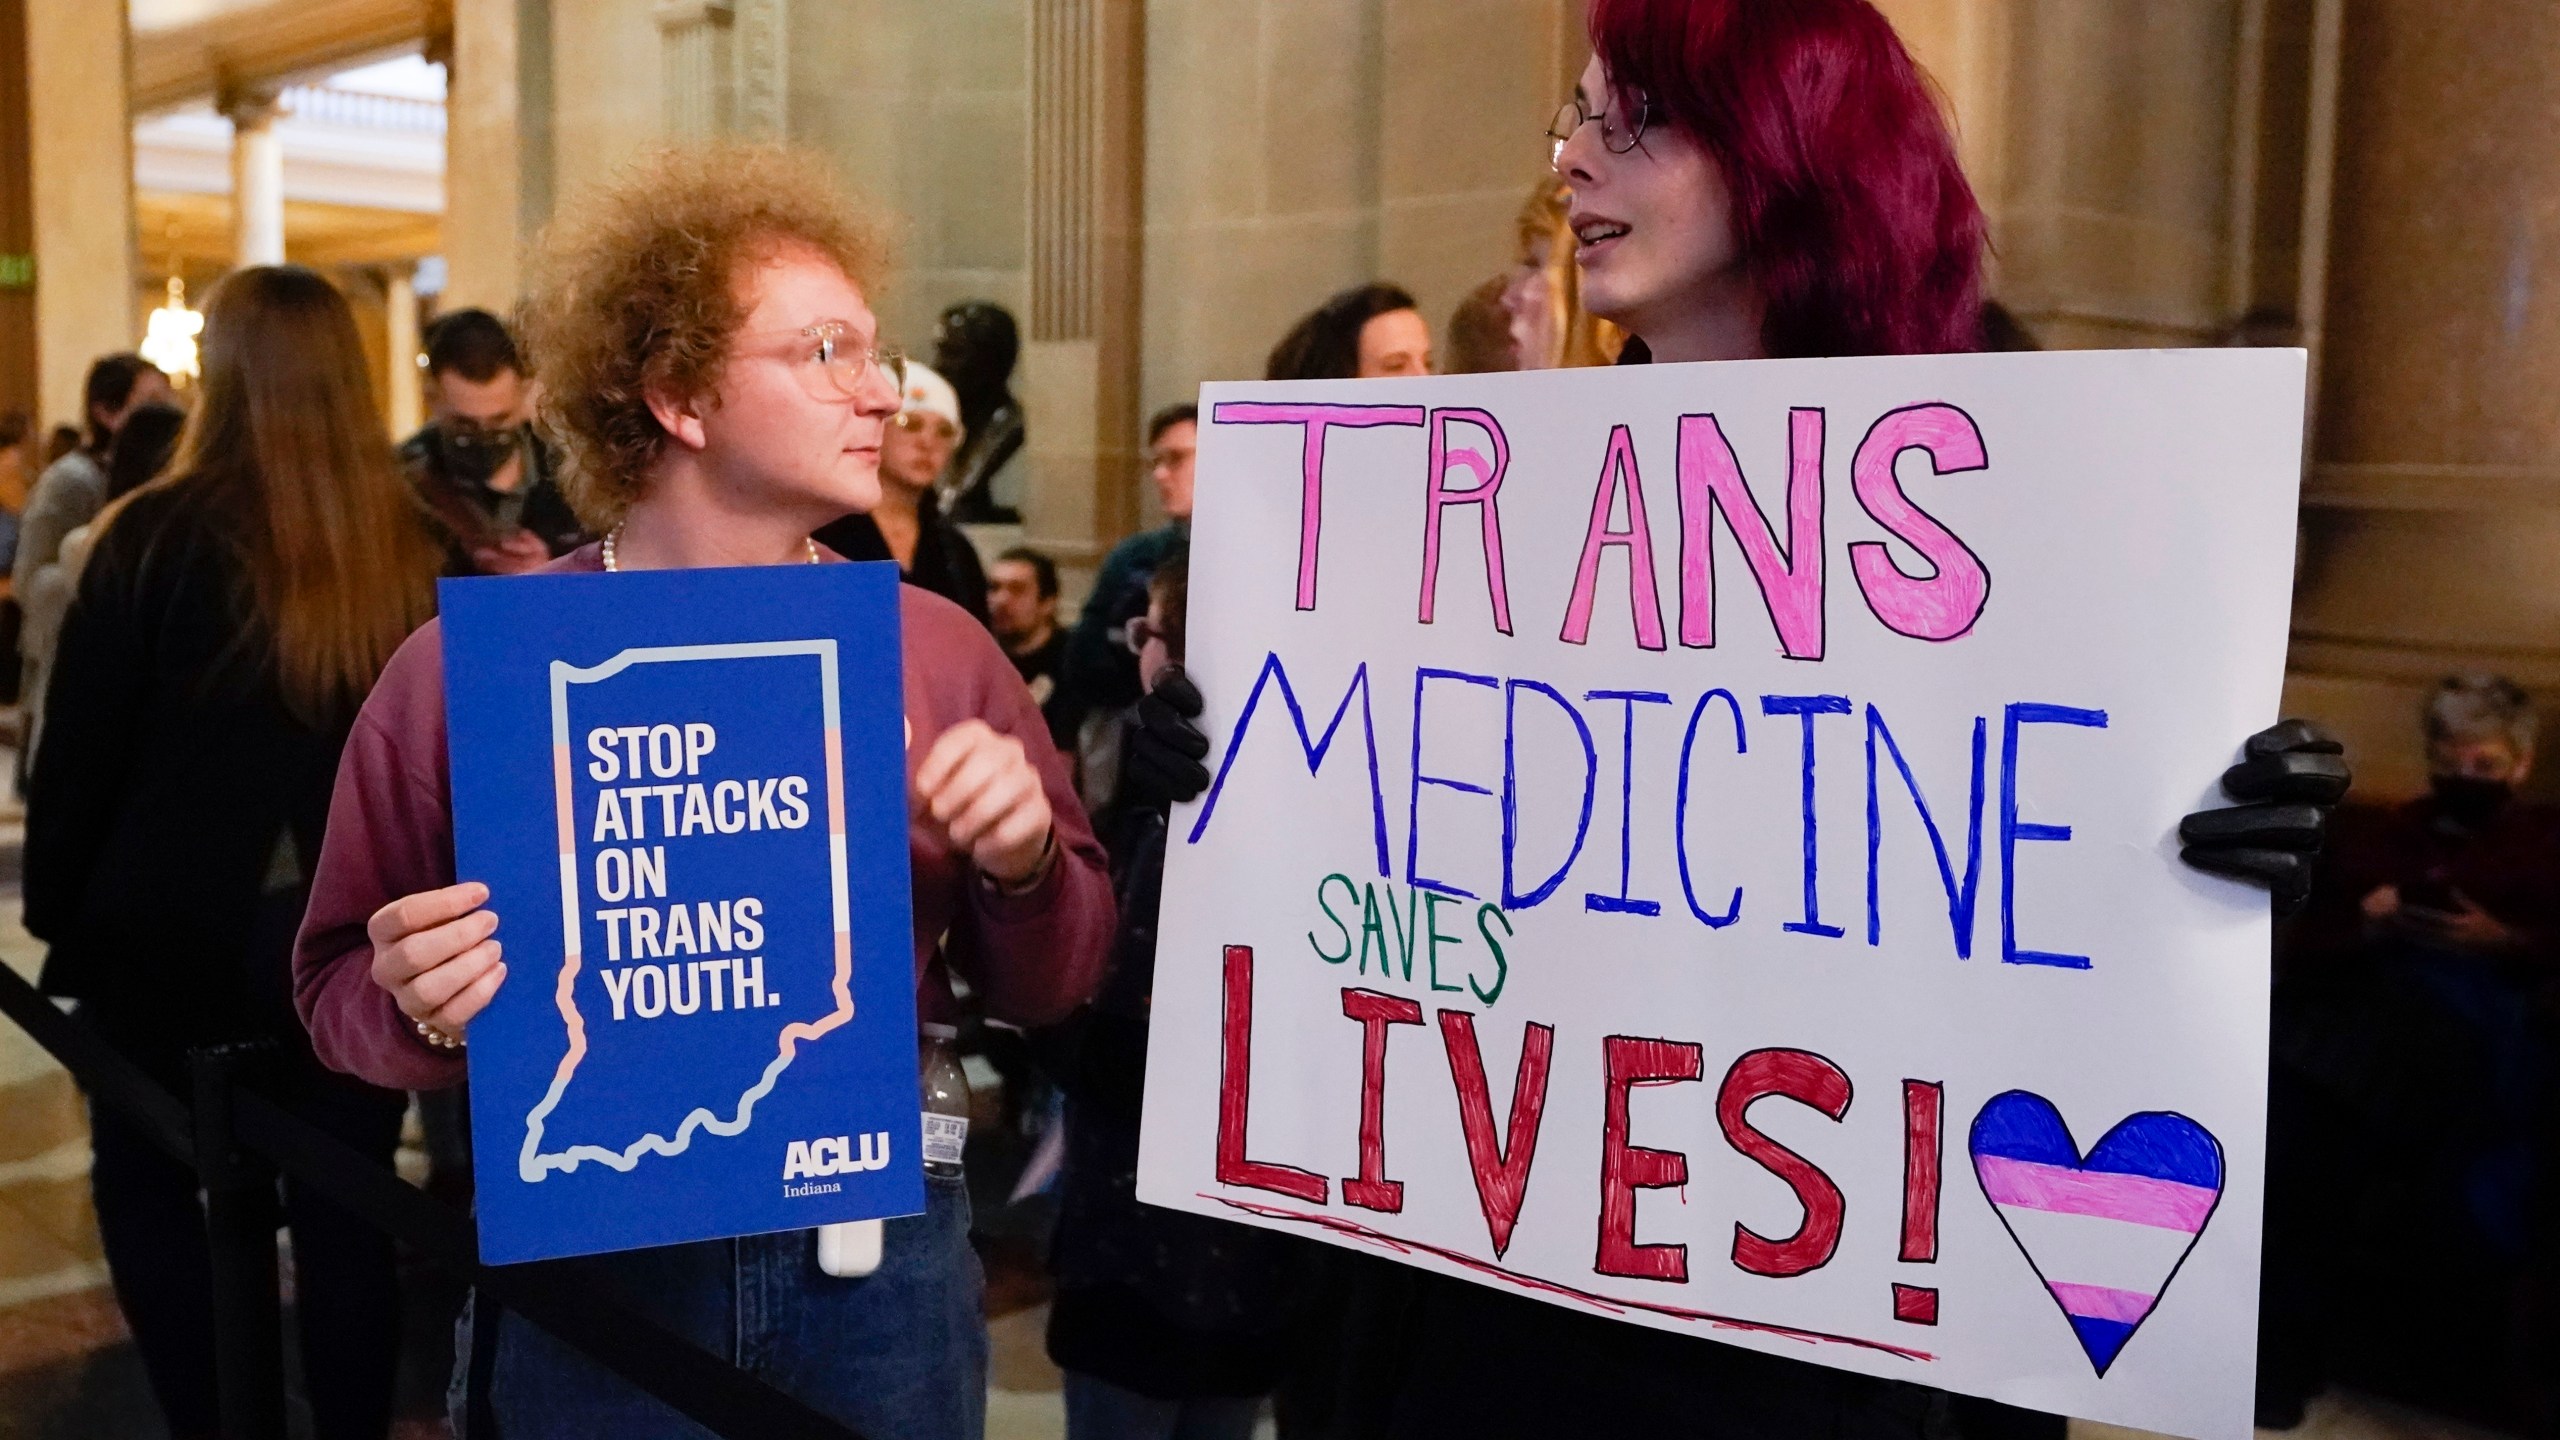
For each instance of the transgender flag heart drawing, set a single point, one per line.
(2107, 1233)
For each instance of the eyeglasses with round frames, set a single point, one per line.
(1140, 630)
(1618, 135)
(830, 364)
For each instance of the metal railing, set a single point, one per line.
(361, 110)
(238, 1142)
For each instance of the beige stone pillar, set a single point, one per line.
(81, 191)
(760, 57)
(605, 87)
(1465, 91)
(697, 76)
(498, 148)
(1295, 147)
(2433, 515)
(257, 177)
(403, 405)
(1079, 377)
(2110, 194)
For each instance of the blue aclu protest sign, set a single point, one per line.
(685, 790)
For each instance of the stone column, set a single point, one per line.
(402, 403)
(698, 77)
(80, 139)
(257, 177)
(1449, 188)
(498, 147)
(2109, 191)
(760, 58)
(2433, 514)
(1079, 375)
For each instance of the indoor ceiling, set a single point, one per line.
(187, 50)
(196, 229)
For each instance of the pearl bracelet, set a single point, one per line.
(435, 1037)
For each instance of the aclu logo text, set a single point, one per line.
(835, 1155)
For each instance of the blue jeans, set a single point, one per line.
(1100, 1410)
(900, 1352)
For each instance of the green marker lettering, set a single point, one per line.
(1501, 965)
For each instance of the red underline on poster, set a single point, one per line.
(1613, 1304)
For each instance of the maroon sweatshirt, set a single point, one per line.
(1033, 957)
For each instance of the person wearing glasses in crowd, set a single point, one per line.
(707, 354)
(1100, 677)
(908, 525)
(478, 463)
(1754, 179)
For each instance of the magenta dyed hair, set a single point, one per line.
(1850, 208)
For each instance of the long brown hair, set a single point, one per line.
(285, 437)
(1543, 237)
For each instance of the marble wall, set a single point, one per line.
(2103, 140)
(2432, 520)
(1295, 147)
(926, 107)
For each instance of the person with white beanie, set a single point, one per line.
(908, 525)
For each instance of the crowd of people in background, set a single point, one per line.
(234, 737)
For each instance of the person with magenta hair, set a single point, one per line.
(707, 349)
(1762, 179)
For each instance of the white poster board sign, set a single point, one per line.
(1697, 845)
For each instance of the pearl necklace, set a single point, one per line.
(614, 534)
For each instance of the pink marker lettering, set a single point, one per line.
(1311, 503)
(1482, 495)
(1790, 580)
(1939, 606)
(1617, 474)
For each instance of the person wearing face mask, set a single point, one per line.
(2412, 1018)
(478, 464)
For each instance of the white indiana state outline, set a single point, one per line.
(531, 1163)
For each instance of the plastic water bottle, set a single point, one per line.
(946, 1102)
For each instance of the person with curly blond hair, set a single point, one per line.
(703, 332)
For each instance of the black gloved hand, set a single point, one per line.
(1161, 749)
(2291, 776)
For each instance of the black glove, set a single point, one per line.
(2293, 773)
(1161, 749)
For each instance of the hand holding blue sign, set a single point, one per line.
(437, 952)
